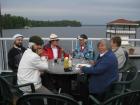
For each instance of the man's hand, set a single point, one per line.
(39, 51)
(41, 72)
(92, 62)
(80, 66)
(80, 72)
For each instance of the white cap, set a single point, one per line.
(79, 37)
(17, 35)
(53, 37)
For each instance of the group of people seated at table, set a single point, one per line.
(34, 61)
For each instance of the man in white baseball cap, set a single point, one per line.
(15, 54)
(17, 35)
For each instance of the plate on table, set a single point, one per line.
(77, 66)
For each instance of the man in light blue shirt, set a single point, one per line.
(84, 49)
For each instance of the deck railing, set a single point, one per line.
(4, 47)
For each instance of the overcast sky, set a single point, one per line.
(85, 11)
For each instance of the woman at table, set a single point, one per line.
(84, 49)
(52, 49)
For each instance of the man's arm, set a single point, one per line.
(39, 63)
(11, 60)
(99, 68)
(121, 60)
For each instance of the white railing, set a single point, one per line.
(94, 39)
(4, 49)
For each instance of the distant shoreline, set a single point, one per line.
(58, 27)
(9, 21)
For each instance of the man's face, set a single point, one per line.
(18, 42)
(113, 45)
(102, 48)
(36, 48)
(55, 42)
(82, 42)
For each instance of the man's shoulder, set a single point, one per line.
(110, 55)
(30, 56)
(30, 53)
(12, 50)
(46, 46)
(109, 52)
(120, 51)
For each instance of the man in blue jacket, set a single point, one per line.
(104, 72)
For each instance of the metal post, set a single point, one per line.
(106, 30)
(135, 34)
(2, 43)
(72, 46)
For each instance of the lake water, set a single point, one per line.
(95, 31)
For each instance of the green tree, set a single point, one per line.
(10, 22)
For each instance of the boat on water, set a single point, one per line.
(27, 27)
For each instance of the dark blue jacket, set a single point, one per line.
(103, 73)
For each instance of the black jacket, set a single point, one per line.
(14, 57)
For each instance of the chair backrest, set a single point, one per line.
(6, 96)
(128, 77)
(129, 70)
(129, 98)
(126, 55)
(44, 99)
(127, 63)
(130, 74)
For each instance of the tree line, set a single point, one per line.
(13, 22)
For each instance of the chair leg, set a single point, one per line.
(15, 98)
(59, 91)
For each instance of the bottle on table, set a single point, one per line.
(66, 64)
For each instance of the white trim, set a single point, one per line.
(131, 24)
(121, 31)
